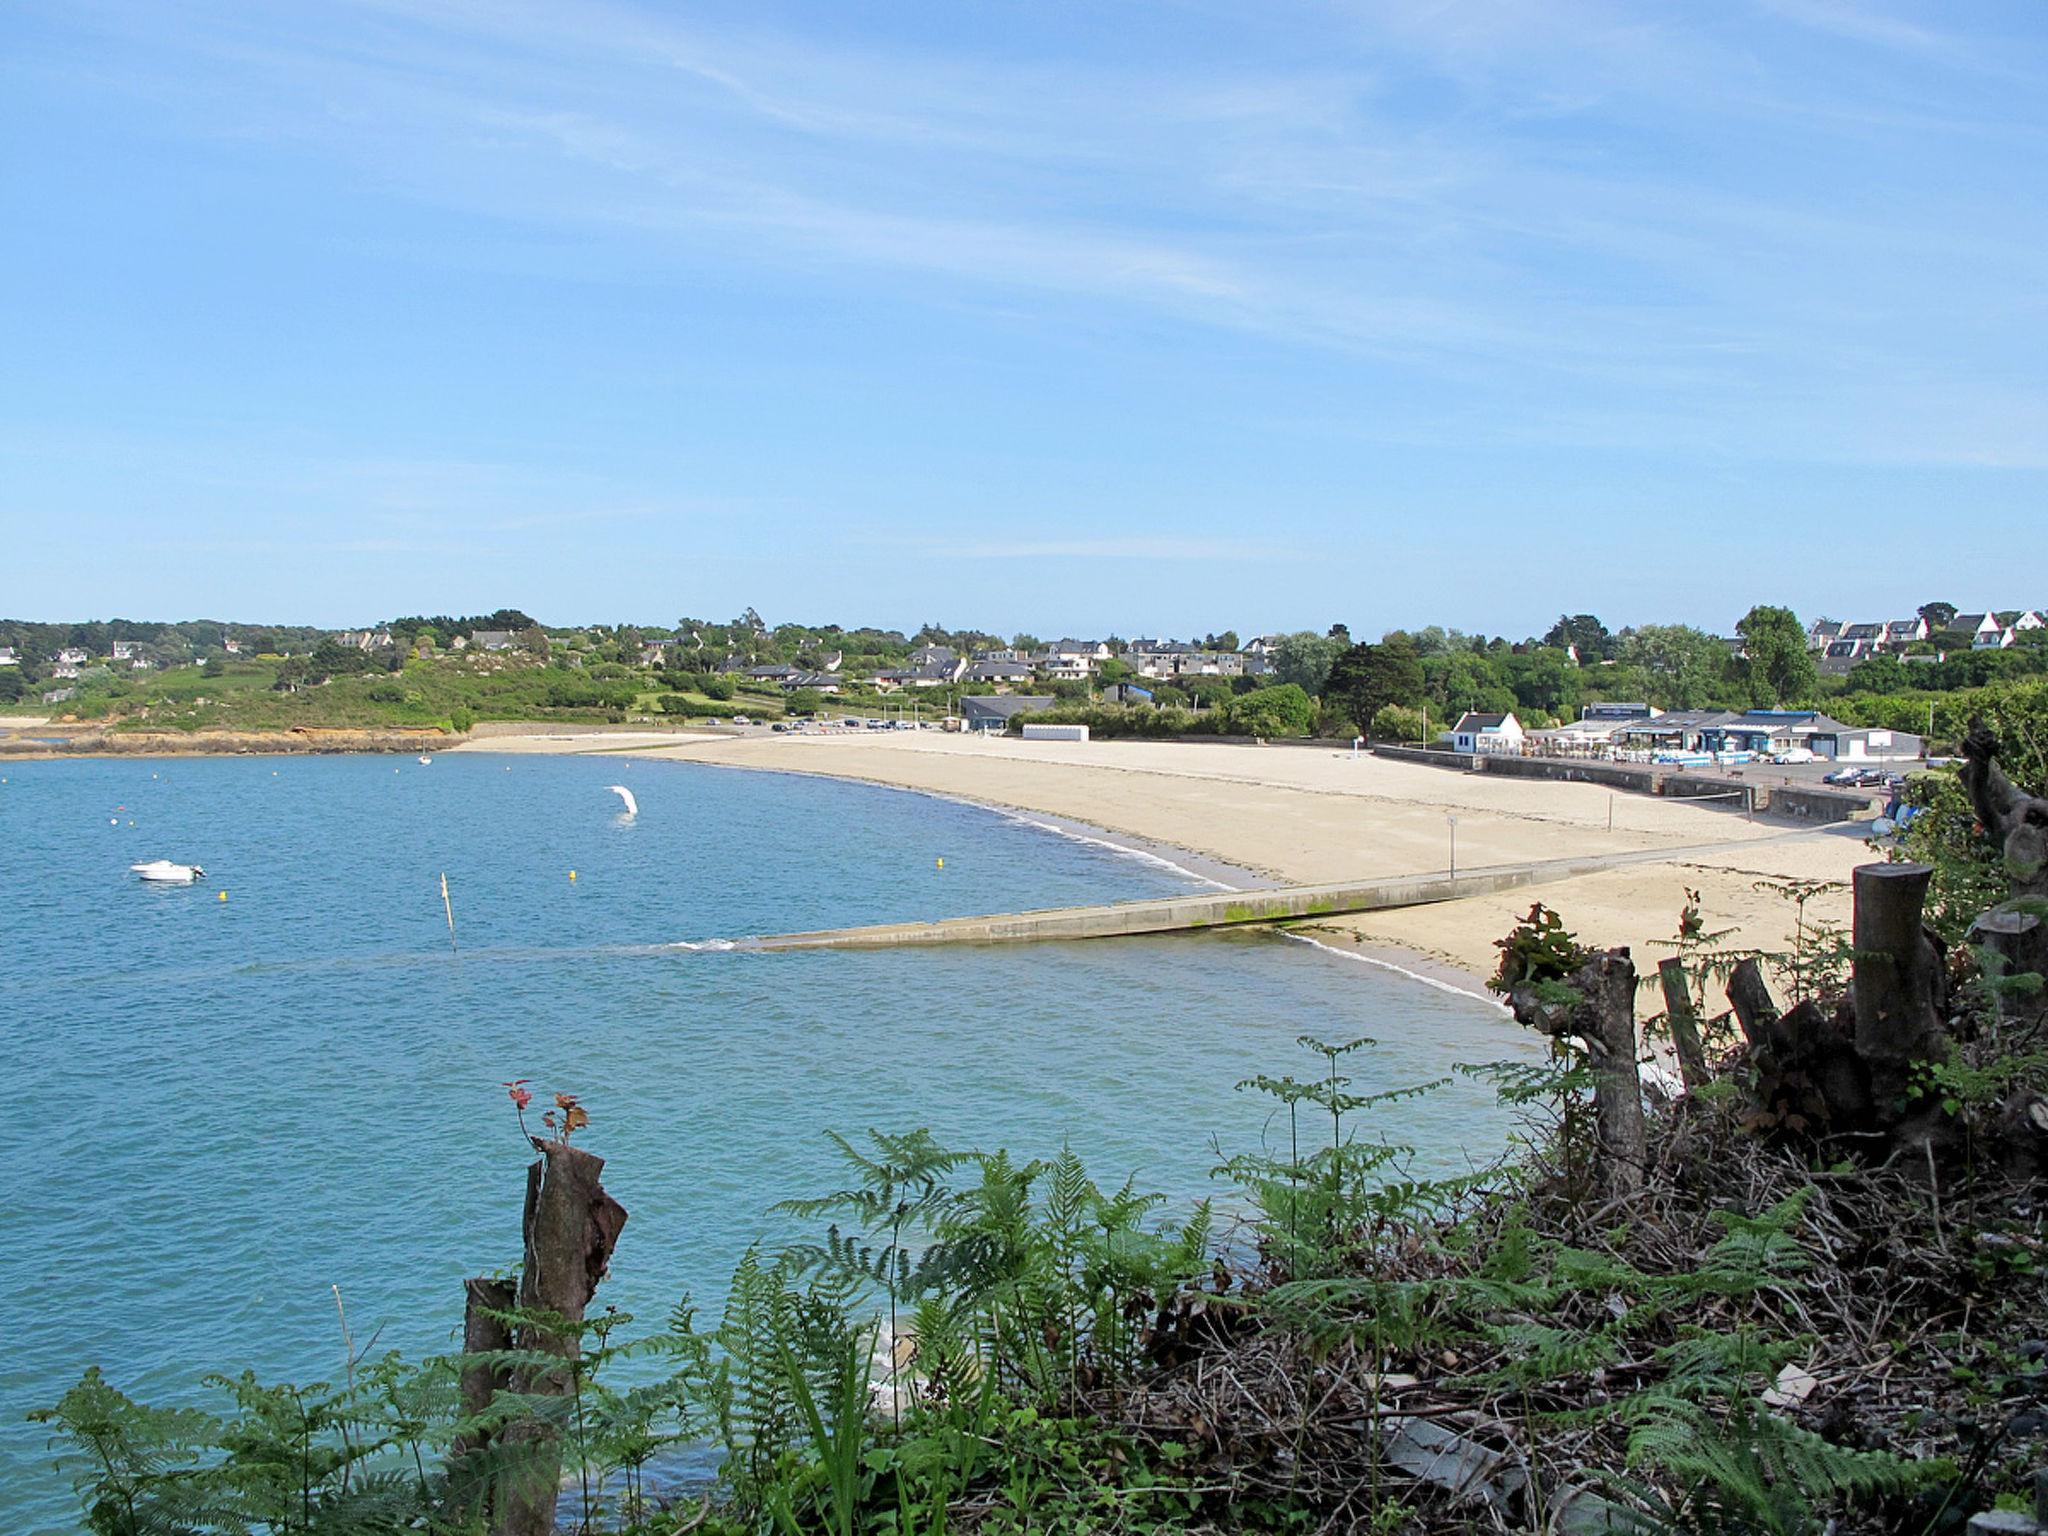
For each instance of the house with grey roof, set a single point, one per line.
(1478, 733)
(986, 712)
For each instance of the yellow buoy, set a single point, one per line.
(572, 877)
(942, 863)
(223, 895)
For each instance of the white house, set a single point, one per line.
(73, 656)
(1487, 733)
(8, 658)
(1984, 630)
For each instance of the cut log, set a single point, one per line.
(571, 1225)
(1683, 1018)
(1897, 976)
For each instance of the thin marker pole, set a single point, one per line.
(448, 907)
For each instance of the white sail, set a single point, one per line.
(625, 794)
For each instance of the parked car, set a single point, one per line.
(1793, 755)
(1841, 776)
(742, 720)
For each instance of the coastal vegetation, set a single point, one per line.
(1797, 1288)
(451, 672)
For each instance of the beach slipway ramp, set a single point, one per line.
(1198, 912)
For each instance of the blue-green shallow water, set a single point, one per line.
(217, 1110)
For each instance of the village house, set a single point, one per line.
(492, 640)
(999, 672)
(1072, 661)
(73, 656)
(1004, 653)
(8, 658)
(819, 682)
(1823, 633)
(1477, 733)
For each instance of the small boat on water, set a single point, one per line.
(425, 761)
(164, 872)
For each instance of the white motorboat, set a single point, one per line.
(164, 872)
(426, 762)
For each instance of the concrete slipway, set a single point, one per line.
(1226, 909)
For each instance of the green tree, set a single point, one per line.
(1684, 663)
(1303, 659)
(806, 701)
(1367, 678)
(1780, 669)
(1938, 616)
(1583, 630)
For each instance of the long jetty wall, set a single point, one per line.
(1217, 909)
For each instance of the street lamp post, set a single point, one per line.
(1452, 823)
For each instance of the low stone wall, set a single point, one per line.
(1462, 762)
(1715, 794)
(1572, 771)
(1816, 804)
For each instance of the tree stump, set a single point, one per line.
(2019, 940)
(571, 1227)
(1897, 979)
(484, 1331)
(1601, 1012)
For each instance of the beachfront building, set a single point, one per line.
(1763, 733)
(980, 712)
(1477, 733)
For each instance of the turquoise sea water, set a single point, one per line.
(217, 1110)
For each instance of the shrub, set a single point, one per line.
(1285, 710)
(1397, 723)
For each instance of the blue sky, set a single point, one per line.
(1048, 315)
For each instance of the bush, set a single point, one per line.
(461, 721)
(718, 688)
(1396, 723)
(1283, 711)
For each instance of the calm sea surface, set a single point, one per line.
(216, 1110)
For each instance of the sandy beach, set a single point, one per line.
(1299, 815)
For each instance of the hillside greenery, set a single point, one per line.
(1412, 683)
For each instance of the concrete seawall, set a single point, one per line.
(1218, 909)
(1754, 797)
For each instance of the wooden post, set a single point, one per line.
(1683, 1018)
(1896, 977)
(571, 1225)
